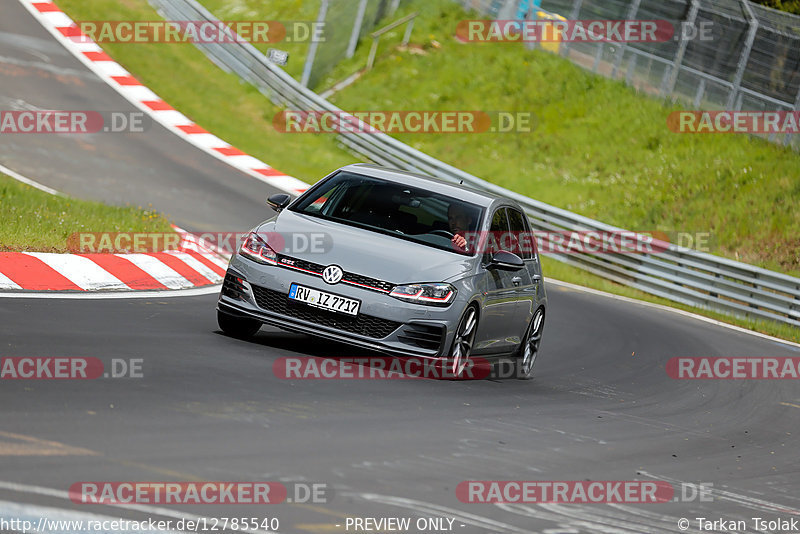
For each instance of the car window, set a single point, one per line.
(499, 221)
(402, 211)
(522, 237)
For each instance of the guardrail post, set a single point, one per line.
(701, 89)
(407, 35)
(576, 12)
(312, 49)
(751, 37)
(372, 51)
(797, 101)
(691, 18)
(351, 46)
(622, 46)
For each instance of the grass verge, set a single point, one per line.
(37, 221)
(567, 161)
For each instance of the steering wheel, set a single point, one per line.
(445, 233)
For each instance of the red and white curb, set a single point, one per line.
(90, 54)
(192, 265)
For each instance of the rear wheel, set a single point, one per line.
(529, 349)
(238, 327)
(462, 342)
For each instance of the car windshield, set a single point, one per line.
(393, 209)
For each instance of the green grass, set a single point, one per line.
(37, 221)
(599, 149)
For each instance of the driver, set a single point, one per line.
(460, 221)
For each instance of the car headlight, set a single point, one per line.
(257, 249)
(431, 294)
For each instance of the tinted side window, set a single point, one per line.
(498, 233)
(499, 221)
(522, 238)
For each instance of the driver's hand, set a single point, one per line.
(459, 241)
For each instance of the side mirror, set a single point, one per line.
(279, 201)
(506, 261)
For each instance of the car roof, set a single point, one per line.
(457, 191)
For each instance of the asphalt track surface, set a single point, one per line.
(210, 408)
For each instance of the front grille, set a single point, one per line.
(289, 262)
(424, 336)
(364, 325)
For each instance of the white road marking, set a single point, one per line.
(667, 308)
(156, 294)
(20, 178)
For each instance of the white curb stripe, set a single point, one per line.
(198, 266)
(7, 283)
(81, 271)
(158, 270)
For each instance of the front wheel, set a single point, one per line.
(462, 342)
(238, 327)
(529, 349)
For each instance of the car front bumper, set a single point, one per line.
(384, 324)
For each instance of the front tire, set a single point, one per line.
(462, 343)
(529, 348)
(238, 327)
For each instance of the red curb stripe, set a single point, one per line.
(131, 275)
(98, 56)
(229, 151)
(269, 172)
(208, 263)
(126, 80)
(29, 272)
(45, 7)
(181, 268)
(72, 31)
(158, 105)
(192, 129)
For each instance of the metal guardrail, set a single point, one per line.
(678, 274)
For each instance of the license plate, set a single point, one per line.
(324, 300)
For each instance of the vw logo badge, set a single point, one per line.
(332, 274)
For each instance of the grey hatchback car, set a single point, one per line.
(397, 262)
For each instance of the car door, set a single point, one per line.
(527, 280)
(497, 331)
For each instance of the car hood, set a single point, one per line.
(363, 252)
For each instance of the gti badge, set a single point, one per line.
(332, 274)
